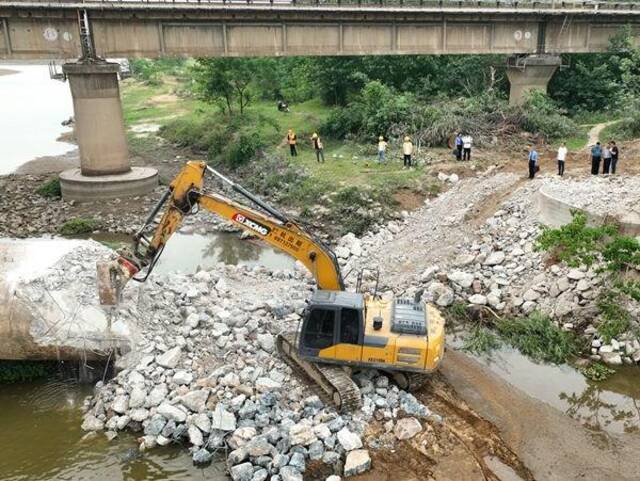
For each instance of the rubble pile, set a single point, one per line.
(205, 373)
(498, 267)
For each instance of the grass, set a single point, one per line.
(79, 226)
(50, 189)
(480, 340)
(538, 337)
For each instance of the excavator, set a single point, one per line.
(339, 330)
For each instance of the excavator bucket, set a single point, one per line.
(112, 276)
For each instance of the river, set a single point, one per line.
(40, 421)
(32, 109)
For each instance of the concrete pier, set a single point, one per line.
(530, 73)
(105, 170)
(98, 117)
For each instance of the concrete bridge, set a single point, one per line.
(49, 29)
(533, 32)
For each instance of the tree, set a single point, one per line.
(226, 80)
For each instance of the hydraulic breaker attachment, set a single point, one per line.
(112, 277)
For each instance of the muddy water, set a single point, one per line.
(42, 440)
(610, 406)
(33, 106)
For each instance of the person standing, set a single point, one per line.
(562, 156)
(382, 148)
(292, 140)
(407, 151)
(596, 156)
(533, 161)
(614, 157)
(606, 157)
(467, 141)
(459, 144)
(317, 146)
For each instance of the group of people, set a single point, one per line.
(407, 151)
(318, 147)
(463, 146)
(608, 155)
(292, 140)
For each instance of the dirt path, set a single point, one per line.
(594, 133)
(553, 446)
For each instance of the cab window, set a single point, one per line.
(350, 326)
(319, 331)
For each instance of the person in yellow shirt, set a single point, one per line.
(382, 148)
(407, 151)
(292, 140)
(318, 147)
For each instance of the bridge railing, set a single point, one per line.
(495, 4)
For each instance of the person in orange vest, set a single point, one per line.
(292, 139)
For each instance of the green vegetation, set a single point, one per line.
(576, 244)
(50, 189)
(481, 340)
(539, 338)
(24, 371)
(597, 371)
(79, 226)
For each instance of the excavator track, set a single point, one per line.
(409, 381)
(331, 383)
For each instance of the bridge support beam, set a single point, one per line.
(105, 170)
(530, 73)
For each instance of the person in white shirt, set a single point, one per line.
(562, 156)
(467, 141)
(407, 150)
(382, 148)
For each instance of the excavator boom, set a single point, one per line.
(185, 194)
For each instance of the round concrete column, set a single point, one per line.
(530, 73)
(99, 124)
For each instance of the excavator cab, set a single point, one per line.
(333, 327)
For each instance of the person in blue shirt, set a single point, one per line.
(596, 156)
(459, 143)
(533, 161)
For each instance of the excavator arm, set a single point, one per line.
(185, 195)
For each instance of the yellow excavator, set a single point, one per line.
(340, 330)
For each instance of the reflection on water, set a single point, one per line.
(32, 107)
(192, 252)
(41, 440)
(612, 405)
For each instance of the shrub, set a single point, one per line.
(538, 337)
(480, 340)
(575, 243)
(79, 226)
(614, 318)
(50, 189)
(242, 148)
(597, 371)
(540, 115)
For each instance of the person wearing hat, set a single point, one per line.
(407, 150)
(317, 146)
(292, 139)
(382, 148)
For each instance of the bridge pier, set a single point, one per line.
(105, 170)
(530, 73)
